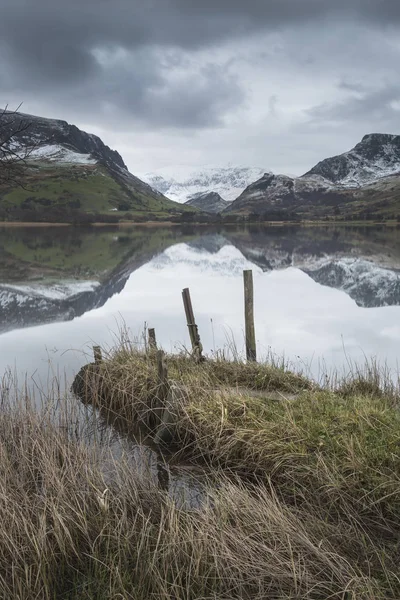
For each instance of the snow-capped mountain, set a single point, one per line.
(376, 156)
(58, 141)
(70, 170)
(228, 182)
(281, 192)
(360, 174)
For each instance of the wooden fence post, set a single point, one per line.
(152, 339)
(193, 329)
(251, 352)
(159, 398)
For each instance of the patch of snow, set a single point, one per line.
(358, 178)
(60, 154)
(7, 298)
(375, 157)
(228, 182)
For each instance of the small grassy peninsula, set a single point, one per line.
(300, 485)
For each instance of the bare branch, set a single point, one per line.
(13, 152)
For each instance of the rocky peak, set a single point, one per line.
(376, 156)
(42, 132)
(209, 202)
(275, 187)
(374, 146)
(381, 138)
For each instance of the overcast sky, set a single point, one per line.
(278, 84)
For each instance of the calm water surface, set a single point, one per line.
(324, 296)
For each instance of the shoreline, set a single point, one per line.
(30, 224)
(390, 223)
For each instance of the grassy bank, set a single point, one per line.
(302, 488)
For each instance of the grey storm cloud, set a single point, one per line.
(185, 23)
(276, 83)
(52, 47)
(381, 106)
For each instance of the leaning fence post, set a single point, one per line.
(152, 339)
(251, 352)
(193, 329)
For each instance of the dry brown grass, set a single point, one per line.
(301, 492)
(333, 455)
(58, 539)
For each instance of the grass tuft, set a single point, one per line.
(300, 488)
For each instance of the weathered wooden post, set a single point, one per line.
(251, 352)
(152, 339)
(98, 357)
(167, 402)
(165, 433)
(197, 347)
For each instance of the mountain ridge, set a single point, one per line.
(210, 202)
(363, 179)
(58, 132)
(228, 182)
(71, 174)
(376, 156)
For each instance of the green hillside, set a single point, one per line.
(70, 191)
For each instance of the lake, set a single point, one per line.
(325, 297)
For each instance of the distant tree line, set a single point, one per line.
(42, 210)
(35, 209)
(254, 217)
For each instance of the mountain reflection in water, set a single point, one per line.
(314, 288)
